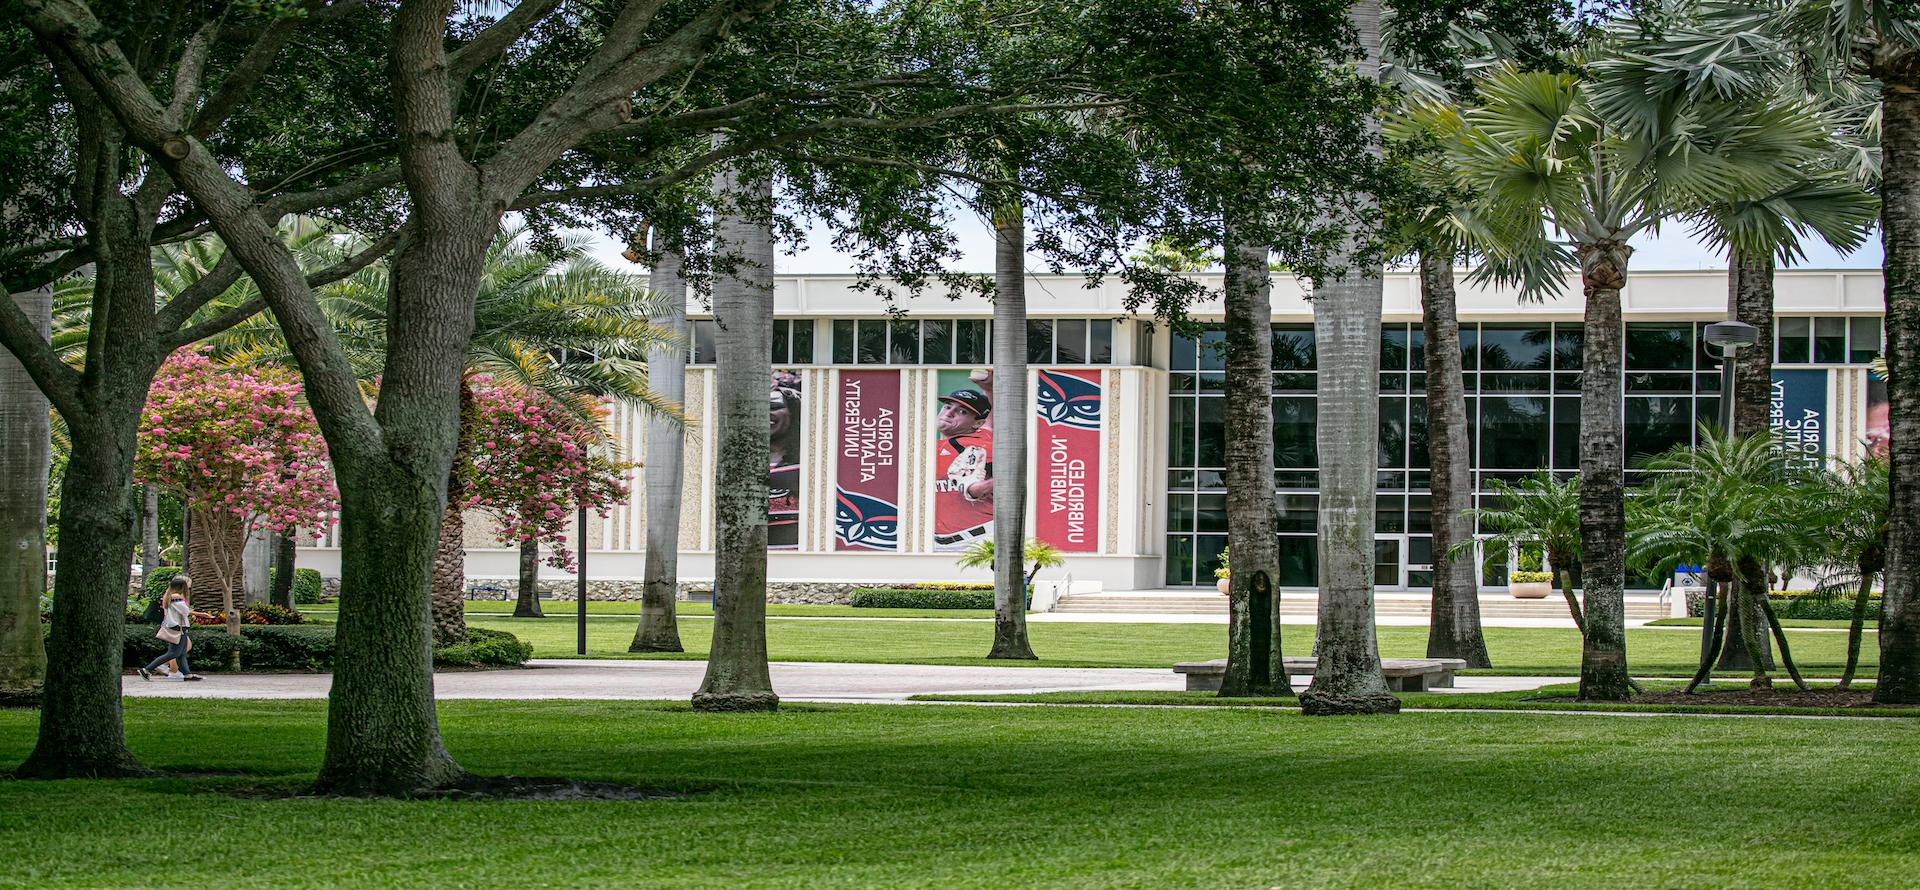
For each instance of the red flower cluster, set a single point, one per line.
(533, 463)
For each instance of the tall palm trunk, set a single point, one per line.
(149, 530)
(1346, 331)
(1254, 662)
(1750, 299)
(1856, 628)
(659, 629)
(285, 553)
(1899, 681)
(1603, 522)
(737, 678)
(1454, 631)
(1009, 432)
(26, 450)
(450, 552)
(527, 601)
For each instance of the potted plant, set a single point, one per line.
(1528, 581)
(1222, 573)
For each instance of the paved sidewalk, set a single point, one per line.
(619, 679)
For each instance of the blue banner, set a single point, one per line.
(1798, 416)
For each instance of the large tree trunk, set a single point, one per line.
(1746, 632)
(1899, 681)
(1603, 657)
(285, 555)
(659, 629)
(1346, 331)
(1750, 299)
(149, 530)
(81, 730)
(1254, 662)
(527, 603)
(26, 452)
(1010, 417)
(737, 678)
(1454, 631)
(450, 555)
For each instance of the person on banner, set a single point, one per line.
(783, 462)
(963, 464)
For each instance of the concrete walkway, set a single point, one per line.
(618, 679)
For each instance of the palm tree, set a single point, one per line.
(26, 452)
(979, 555)
(1601, 161)
(1853, 501)
(1255, 665)
(1541, 512)
(1008, 218)
(1732, 504)
(1346, 331)
(658, 630)
(556, 323)
(737, 677)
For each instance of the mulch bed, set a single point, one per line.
(1783, 695)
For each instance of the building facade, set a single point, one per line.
(882, 423)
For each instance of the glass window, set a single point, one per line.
(1213, 352)
(1514, 382)
(1656, 424)
(1393, 347)
(1180, 560)
(1389, 514)
(1179, 513)
(1100, 342)
(703, 346)
(1513, 433)
(1567, 337)
(842, 342)
(969, 342)
(872, 349)
(1182, 353)
(1210, 514)
(936, 342)
(782, 329)
(1213, 432)
(1393, 432)
(1386, 563)
(1795, 339)
(1515, 347)
(1293, 347)
(1659, 382)
(1294, 442)
(1566, 434)
(1040, 341)
(1830, 340)
(1660, 347)
(1180, 432)
(1070, 341)
(1418, 445)
(1864, 340)
(1420, 514)
(904, 342)
(1299, 562)
(802, 342)
(1206, 556)
(1297, 512)
(1417, 349)
(1143, 344)
(1470, 347)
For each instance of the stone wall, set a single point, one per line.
(820, 593)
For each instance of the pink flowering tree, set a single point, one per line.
(533, 462)
(242, 449)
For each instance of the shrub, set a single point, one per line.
(1525, 577)
(911, 598)
(156, 581)
(1838, 608)
(937, 585)
(308, 588)
(268, 613)
(489, 648)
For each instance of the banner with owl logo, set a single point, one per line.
(867, 495)
(1067, 487)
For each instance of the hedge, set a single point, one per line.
(307, 585)
(1805, 606)
(155, 583)
(909, 598)
(309, 648)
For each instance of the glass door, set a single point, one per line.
(1387, 566)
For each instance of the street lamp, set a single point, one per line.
(1731, 336)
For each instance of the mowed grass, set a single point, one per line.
(933, 796)
(1527, 651)
(566, 609)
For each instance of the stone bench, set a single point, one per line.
(1403, 674)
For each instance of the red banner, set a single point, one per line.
(867, 496)
(1067, 487)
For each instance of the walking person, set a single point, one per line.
(179, 616)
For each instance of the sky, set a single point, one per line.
(1672, 248)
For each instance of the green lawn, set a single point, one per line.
(1535, 651)
(601, 607)
(1842, 624)
(1452, 701)
(864, 796)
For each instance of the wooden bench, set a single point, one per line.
(1403, 674)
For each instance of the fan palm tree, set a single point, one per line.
(558, 323)
(1008, 218)
(659, 629)
(1601, 162)
(979, 555)
(26, 454)
(1541, 512)
(1732, 504)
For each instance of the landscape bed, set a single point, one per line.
(930, 796)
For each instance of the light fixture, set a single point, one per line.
(1730, 335)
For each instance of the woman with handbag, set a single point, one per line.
(173, 630)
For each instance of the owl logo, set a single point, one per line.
(1066, 400)
(865, 521)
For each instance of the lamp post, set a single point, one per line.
(1731, 336)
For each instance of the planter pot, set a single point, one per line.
(1222, 584)
(1531, 590)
